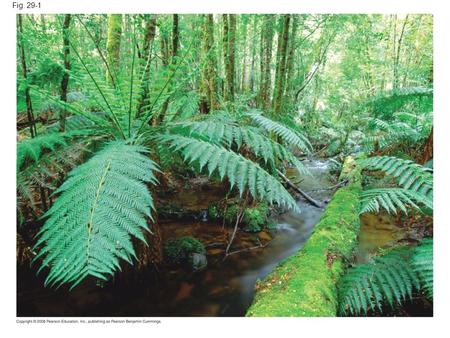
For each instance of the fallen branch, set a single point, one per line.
(251, 248)
(238, 220)
(297, 189)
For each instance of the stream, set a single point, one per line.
(224, 288)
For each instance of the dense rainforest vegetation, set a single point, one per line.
(293, 150)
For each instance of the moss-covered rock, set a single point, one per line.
(180, 250)
(305, 283)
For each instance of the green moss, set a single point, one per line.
(178, 250)
(255, 218)
(213, 212)
(305, 283)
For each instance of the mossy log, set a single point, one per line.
(304, 285)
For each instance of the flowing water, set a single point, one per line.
(224, 288)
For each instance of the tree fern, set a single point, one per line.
(240, 171)
(388, 278)
(101, 204)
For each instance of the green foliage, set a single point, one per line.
(31, 149)
(48, 72)
(178, 250)
(392, 199)
(290, 136)
(101, 204)
(399, 118)
(255, 218)
(422, 262)
(241, 172)
(390, 279)
(415, 181)
(225, 130)
(45, 174)
(411, 98)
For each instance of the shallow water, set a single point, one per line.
(224, 288)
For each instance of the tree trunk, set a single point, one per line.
(208, 88)
(229, 38)
(175, 35)
(281, 71)
(291, 56)
(232, 52)
(397, 53)
(23, 62)
(244, 58)
(252, 67)
(113, 45)
(65, 79)
(266, 60)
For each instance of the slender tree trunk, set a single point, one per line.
(244, 58)
(175, 35)
(65, 79)
(226, 58)
(229, 39)
(23, 62)
(281, 74)
(252, 67)
(113, 45)
(232, 53)
(291, 56)
(266, 60)
(208, 86)
(397, 54)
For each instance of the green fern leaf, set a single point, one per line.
(101, 204)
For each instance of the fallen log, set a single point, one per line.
(301, 192)
(304, 285)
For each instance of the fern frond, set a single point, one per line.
(223, 130)
(388, 278)
(392, 199)
(32, 148)
(101, 204)
(422, 262)
(240, 171)
(410, 175)
(288, 135)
